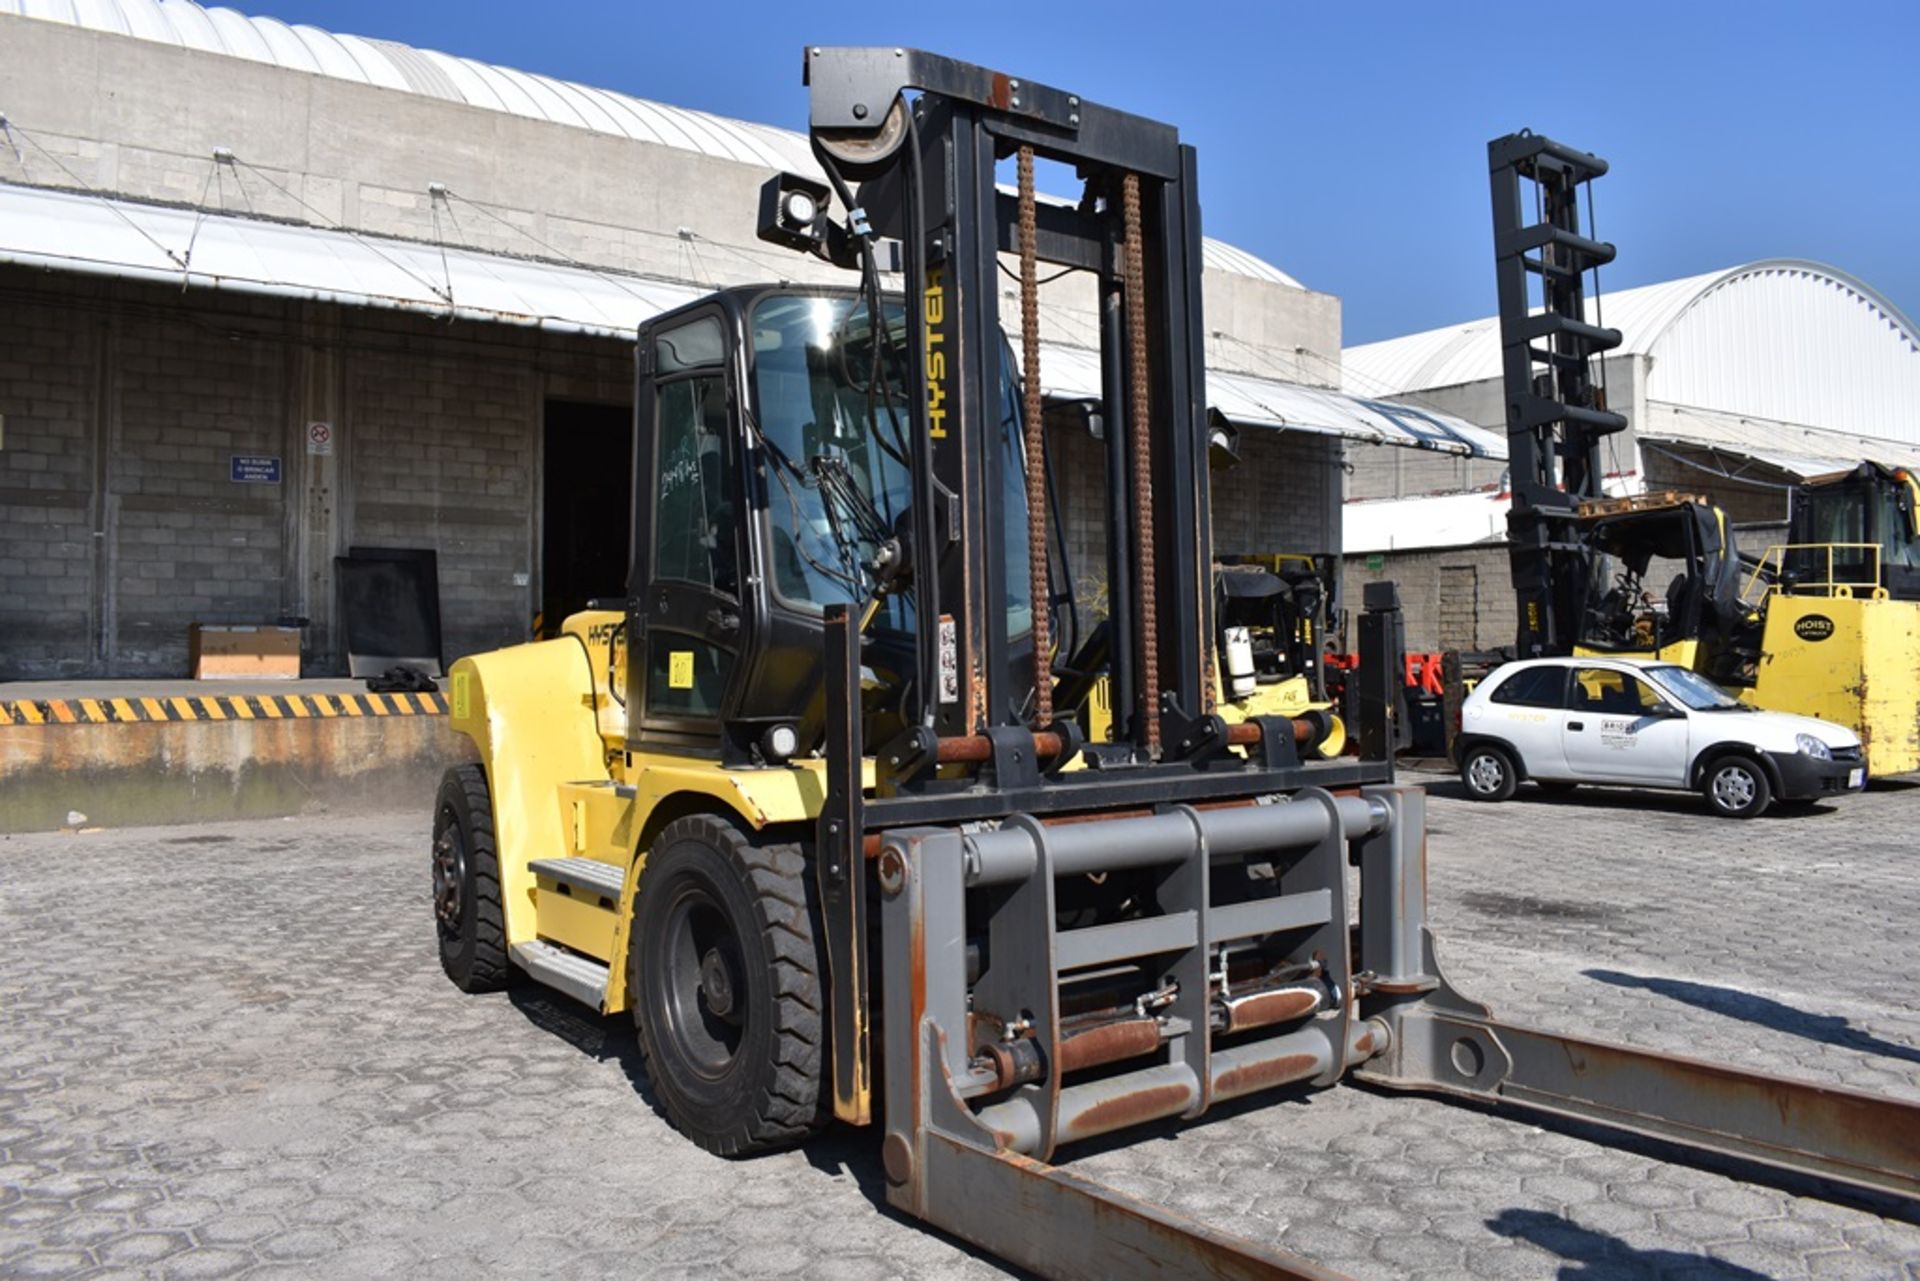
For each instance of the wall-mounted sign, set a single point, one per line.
(255, 469)
(320, 438)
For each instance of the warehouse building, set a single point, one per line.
(273, 295)
(1735, 385)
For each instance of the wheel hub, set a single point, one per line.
(449, 877)
(1485, 774)
(717, 985)
(1733, 788)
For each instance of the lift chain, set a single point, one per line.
(1141, 420)
(1037, 556)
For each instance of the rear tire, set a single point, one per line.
(466, 883)
(1488, 773)
(1736, 787)
(723, 972)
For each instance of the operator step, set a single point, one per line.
(580, 977)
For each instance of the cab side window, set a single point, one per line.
(693, 511)
(1611, 693)
(1535, 687)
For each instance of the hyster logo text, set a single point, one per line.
(936, 315)
(1814, 627)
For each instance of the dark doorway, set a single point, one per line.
(588, 502)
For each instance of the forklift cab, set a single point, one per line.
(1867, 520)
(763, 496)
(1663, 575)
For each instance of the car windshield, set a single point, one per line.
(1692, 689)
(833, 440)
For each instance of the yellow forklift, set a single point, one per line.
(811, 805)
(1825, 625)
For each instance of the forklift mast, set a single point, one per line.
(1557, 414)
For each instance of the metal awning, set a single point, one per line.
(1073, 373)
(66, 231)
(1736, 447)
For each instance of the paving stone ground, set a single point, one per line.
(228, 1051)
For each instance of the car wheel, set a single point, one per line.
(1736, 787)
(1488, 773)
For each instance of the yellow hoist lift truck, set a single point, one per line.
(801, 806)
(1826, 625)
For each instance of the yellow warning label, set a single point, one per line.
(462, 693)
(680, 669)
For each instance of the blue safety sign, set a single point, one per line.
(255, 469)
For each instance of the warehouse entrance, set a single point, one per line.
(588, 506)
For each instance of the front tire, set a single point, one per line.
(1736, 787)
(1488, 773)
(723, 972)
(466, 883)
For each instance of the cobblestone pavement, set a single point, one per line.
(228, 1051)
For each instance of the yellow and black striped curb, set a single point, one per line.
(226, 707)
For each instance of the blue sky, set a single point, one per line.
(1346, 143)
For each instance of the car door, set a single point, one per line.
(1620, 729)
(1527, 710)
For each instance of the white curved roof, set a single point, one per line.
(1784, 339)
(392, 65)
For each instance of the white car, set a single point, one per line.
(1560, 722)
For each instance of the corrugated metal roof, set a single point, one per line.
(1782, 338)
(392, 65)
(65, 231)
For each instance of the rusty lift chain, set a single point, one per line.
(1037, 558)
(1141, 416)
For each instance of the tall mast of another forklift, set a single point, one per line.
(1557, 414)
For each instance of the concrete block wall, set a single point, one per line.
(47, 458)
(1451, 597)
(443, 456)
(123, 404)
(189, 544)
(1276, 500)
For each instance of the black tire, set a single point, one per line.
(466, 883)
(723, 973)
(1555, 787)
(1488, 773)
(1736, 787)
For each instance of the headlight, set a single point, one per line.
(1811, 746)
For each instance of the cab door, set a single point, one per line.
(687, 558)
(1619, 729)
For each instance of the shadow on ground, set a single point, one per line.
(1591, 1255)
(839, 1151)
(1828, 1029)
(1645, 800)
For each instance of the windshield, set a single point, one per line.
(833, 440)
(1692, 689)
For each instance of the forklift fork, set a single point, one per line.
(976, 1106)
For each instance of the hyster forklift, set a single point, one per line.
(1825, 625)
(805, 804)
